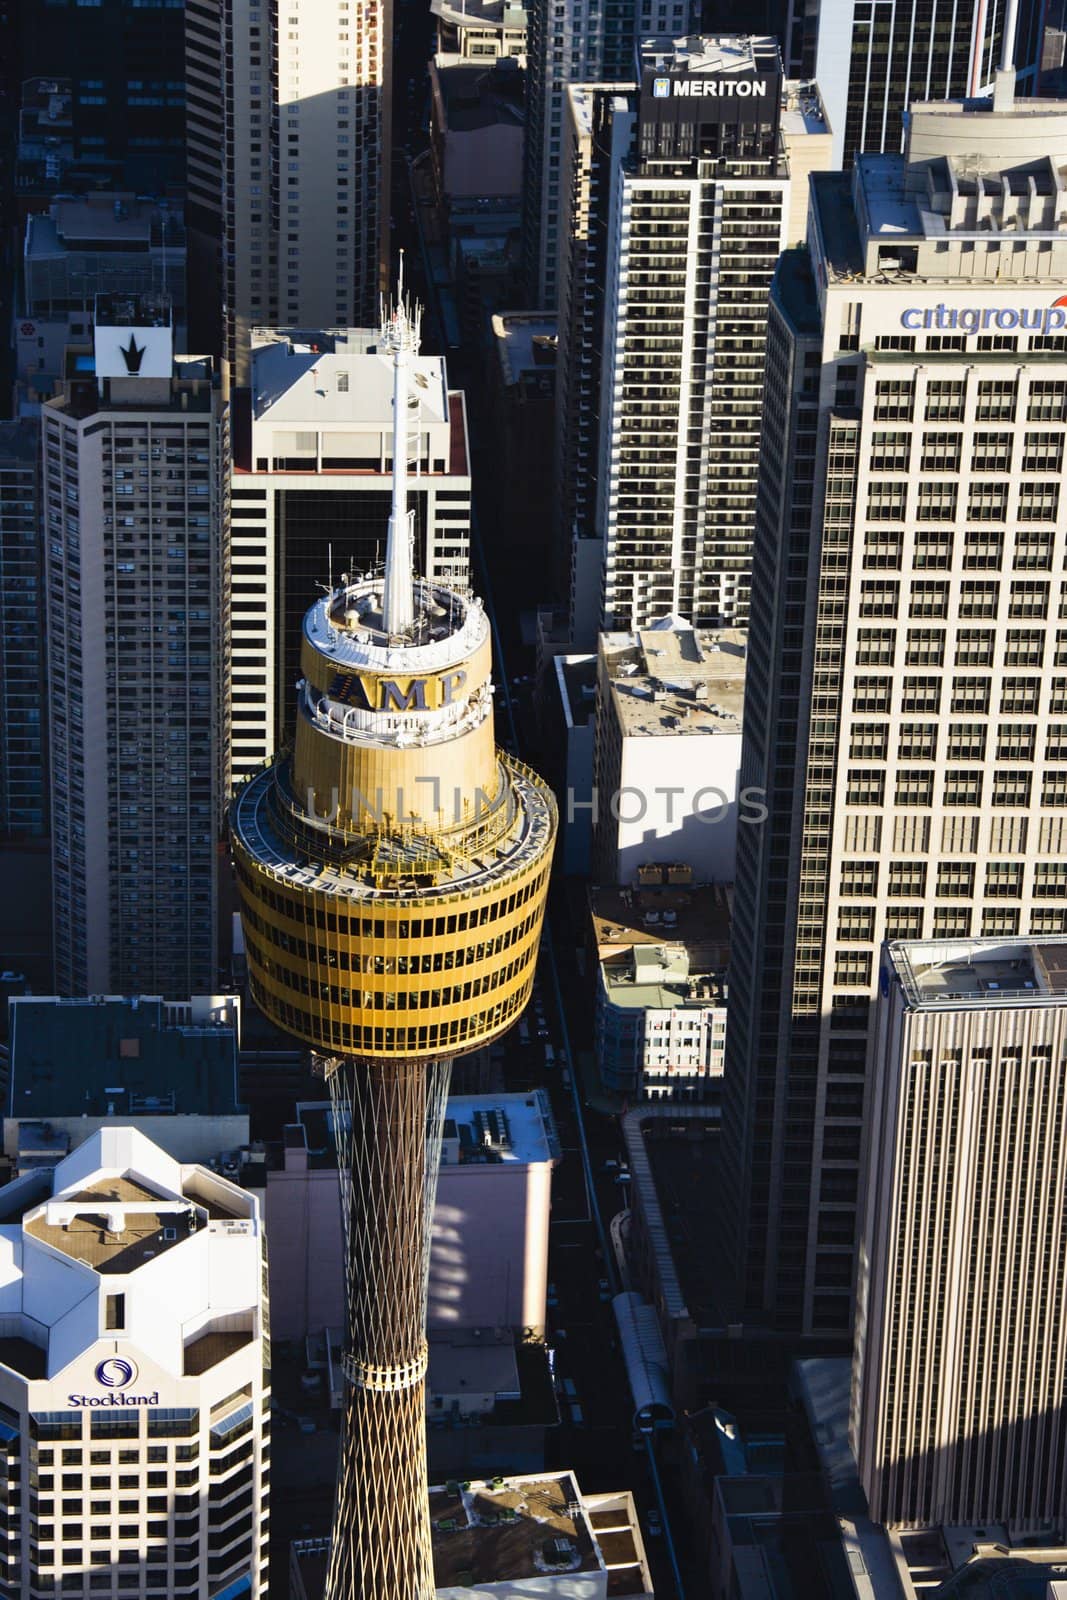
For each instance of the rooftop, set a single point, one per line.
(479, 1130)
(696, 916)
(103, 221)
(660, 977)
(513, 1531)
(802, 108)
(114, 1225)
(133, 311)
(730, 52)
(481, 95)
(576, 679)
(337, 376)
(948, 974)
(130, 1057)
(480, 13)
(671, 678)
(525, 342)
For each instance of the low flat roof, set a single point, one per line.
(85, 1236)
(75, 1057)
(674, 679)
(491, 1535)
(694, 915)
(949, 973)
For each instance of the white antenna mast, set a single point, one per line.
(399, 341)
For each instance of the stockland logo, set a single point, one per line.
(661, 88)
(116, 1373)
(975, 319)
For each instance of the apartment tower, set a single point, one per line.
(289, 125)
(960, 1373)
(692, 207)
(135, 476)
(906, 699)
(393, 871)
(575, 42)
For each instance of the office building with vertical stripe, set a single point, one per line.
(958, 1411)
(906, 693)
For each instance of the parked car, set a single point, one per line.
(653, 1524)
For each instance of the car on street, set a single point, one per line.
(653, 1523)
(604, 1289)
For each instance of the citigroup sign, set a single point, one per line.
(115, 1375)
(977, 319)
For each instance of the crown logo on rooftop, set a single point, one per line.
(133, 354)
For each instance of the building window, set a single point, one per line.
(937, 502)
(963, 787)
(941, 452)
(1000, 922)
(915, 787)
(955, 880)
(918, 741)
(987, 502)
(1004, 880)
(925, 648)
(951, 923)
(1015, 741)
(928, 600)
(1050, 880)
(114, 1313)
(907, 880)
(1011, 788)
(996, 400)
(944, 400)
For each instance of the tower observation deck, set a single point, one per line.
(393, 869)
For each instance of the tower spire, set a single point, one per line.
(400, 339)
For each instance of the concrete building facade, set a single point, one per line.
(957, 1399)
(136, 481)
(312, 490)
(667, 751)
(289, 123)
(904, 698)
(489, 1245)
(23, 787)
(134, 1378)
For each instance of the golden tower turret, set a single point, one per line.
(392, 868)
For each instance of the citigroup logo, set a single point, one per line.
(116, 1373)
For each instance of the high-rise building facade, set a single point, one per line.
(123, 66)
(136, 486)
(907, 669)
(959, 1374)
(873, 58)
(289, 126)
(393, 870)
(575, 42)
(23, 790)
(692, 209)
(312, 490)
(134, 1378)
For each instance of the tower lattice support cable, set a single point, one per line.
(388, 1119)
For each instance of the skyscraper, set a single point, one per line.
(690, 206)
(874, 58)
(289, 125)
(572, 42)
(312, 489)
(906, 691)
(136, 474)
(959, 1371)
(393, 872)
(124, 67)
(134, 1377)
(23, 791)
